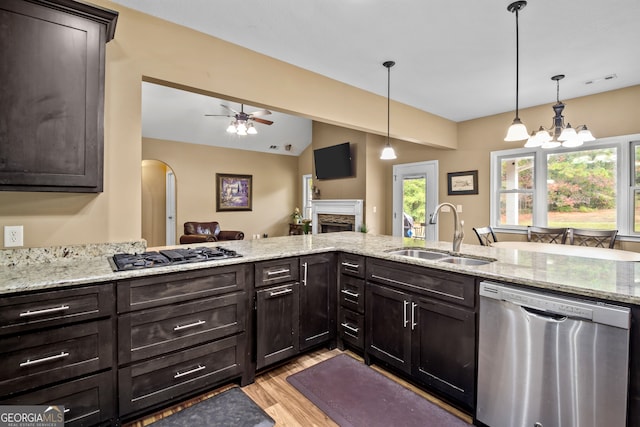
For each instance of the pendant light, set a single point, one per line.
(561, 135)
(517, 131)
(388, 153)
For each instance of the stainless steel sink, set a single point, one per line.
(460, 260)
(420, 253)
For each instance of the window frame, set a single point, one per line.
(625, 183)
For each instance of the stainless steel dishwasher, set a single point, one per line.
(548, 361)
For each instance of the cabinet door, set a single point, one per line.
(388, 326)
(317, 300)
(443, 344)
(277, 327)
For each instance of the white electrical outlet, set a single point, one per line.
(13, 236)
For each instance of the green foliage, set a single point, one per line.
(414, 196)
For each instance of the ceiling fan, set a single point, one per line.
(242, 122)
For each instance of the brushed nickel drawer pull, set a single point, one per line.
(350, 293)
(282, 292)
(190, 325)
(349, 327)
(190, 371)
(282, 271)
(30, 362)
(44, 311)
(349, 265)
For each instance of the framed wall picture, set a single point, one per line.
(233, 192)
(462, 183)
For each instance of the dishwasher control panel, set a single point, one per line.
(564, 306)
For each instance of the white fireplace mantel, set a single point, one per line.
(336, 207)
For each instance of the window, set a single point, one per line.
(307, 196)
(591, 186)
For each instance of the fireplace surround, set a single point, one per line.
(336, 215)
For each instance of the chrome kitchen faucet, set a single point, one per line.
(458, 231)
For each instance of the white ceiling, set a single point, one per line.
(453, 59)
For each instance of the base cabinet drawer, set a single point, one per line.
(149, 333)
(351, 293)
(351, 328)
(160, 380)
(87, 401)
(40, 358)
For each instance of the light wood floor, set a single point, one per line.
(283, 402)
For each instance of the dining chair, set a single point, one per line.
(485, 235)
(594, 238)
(546, 235)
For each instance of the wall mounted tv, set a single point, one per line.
(333, 162)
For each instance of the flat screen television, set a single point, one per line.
(333, 162)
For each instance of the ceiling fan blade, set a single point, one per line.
(263, 121)
(229, 108)
(260, 113)
(217, 115)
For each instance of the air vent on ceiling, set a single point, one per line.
(601, 79)
(273, 147)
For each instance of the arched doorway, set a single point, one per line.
(158, 204)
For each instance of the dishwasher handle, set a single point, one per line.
(546, 315)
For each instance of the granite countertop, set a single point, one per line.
(38, 269)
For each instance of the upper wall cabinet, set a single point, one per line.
(52, 59)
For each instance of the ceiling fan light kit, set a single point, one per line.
(242, 123)
(388, 153)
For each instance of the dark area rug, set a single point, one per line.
(231, 408)
(355, 395)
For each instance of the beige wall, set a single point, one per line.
(274, 177)
(154, 202)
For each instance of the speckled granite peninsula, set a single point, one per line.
(36, 269)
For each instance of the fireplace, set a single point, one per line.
(336, 215)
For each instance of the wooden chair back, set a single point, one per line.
(485, 235)
(546, 235)
(594, 238)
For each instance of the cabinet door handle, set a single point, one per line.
(350, 293)
(406, 320)
(304, 277)
(30, 362)
(349, 327)
(29, 313)
(190, 371)
(281, 271)
(282, 292)
(190, 325)
(349, 265)
(413, 315)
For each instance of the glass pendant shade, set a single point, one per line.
(517, 131)
(573, 142)
(585, 135)
(231, 128)
(251, 130)
(533, 141)
(551, 144)
(568, 133)
(388, 153)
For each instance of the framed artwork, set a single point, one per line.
(462, 183)
(233, 192)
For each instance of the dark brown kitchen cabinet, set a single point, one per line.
(317, 300)
(351, 301)
(52, 68)
(56, 346)
(423, 322)
(181, 333)
(277, 324)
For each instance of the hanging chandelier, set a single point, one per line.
(388, 153)
(241, 127)
(517, 131)
(561, 135)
